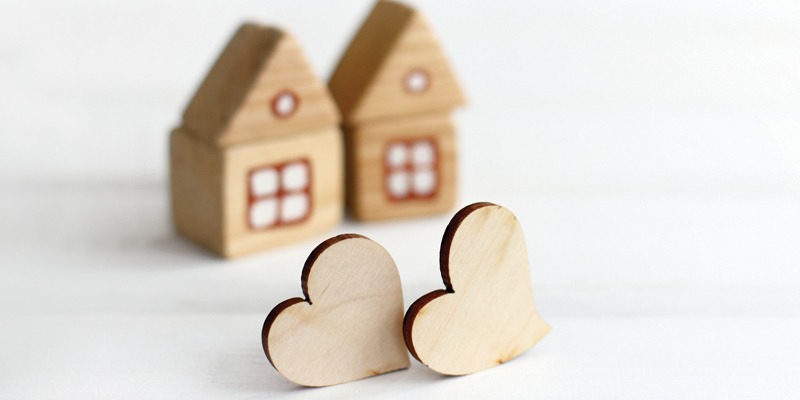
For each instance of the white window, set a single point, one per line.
(279, 194)
(416, 81)
(411, 169)
(285, 103)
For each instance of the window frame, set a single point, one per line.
(416, 71)
(410, 168)
(273, 104)
(280, 194)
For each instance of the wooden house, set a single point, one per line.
(395, 90)
(257, 161)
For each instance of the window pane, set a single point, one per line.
(397, 155)
(423, 153)
(398, 184)
(264, 182)
(424, 182)
(295, 176)
(294, 207)
(416, 81)
(284, 104)
(264, 213)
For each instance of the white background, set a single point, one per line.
(651, 150)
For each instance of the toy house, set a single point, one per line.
(257, 161)
(395, 90)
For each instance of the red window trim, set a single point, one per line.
(279, 194)
(409, 167)
(274, 103)
(416, 70)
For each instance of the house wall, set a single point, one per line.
(366, 143)
(196, 185)
(323, 148)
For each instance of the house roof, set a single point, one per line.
(379, 74)
(261, 85)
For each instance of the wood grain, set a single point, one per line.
(210, 189)
(323, 148)
(485, 316)
(233, 103)
(378, 108)
(196, 189)
(349, 325)
(394, 40)
(366, 151)
(231, 127)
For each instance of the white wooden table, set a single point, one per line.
(650, 150)
(101, 300)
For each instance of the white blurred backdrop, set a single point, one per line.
(575, 95)
(651, 150)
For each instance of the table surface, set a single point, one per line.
(650, 150)
(94, 311)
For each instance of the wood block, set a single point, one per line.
(485, 316)
(371, 169)
(261, 85)
(322, 150)
(393, 67)
(218, 203)
(196, 187)
(395, 89)
(349, 325)
(258, 161)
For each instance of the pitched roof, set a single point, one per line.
(259, 67)
(392, 48)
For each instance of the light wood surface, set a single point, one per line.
(210, 189)
(368, 83)
(349, 326)
(485, 316)
(366, 146)
(260, 107)
(140, 314)
(664, 245)
(323, 150)
(379, 106)
(196, 190)
(234, 102)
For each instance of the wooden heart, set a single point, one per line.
(349, 326)
(486, 315)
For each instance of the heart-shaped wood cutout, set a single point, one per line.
(349, 326)
(486, 315)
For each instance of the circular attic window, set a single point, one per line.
(285, 103)
(416, 81)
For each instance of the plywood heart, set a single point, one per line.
(485, 316)
(349, 325)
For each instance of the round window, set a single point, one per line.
(416, 81)
(285, 103)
